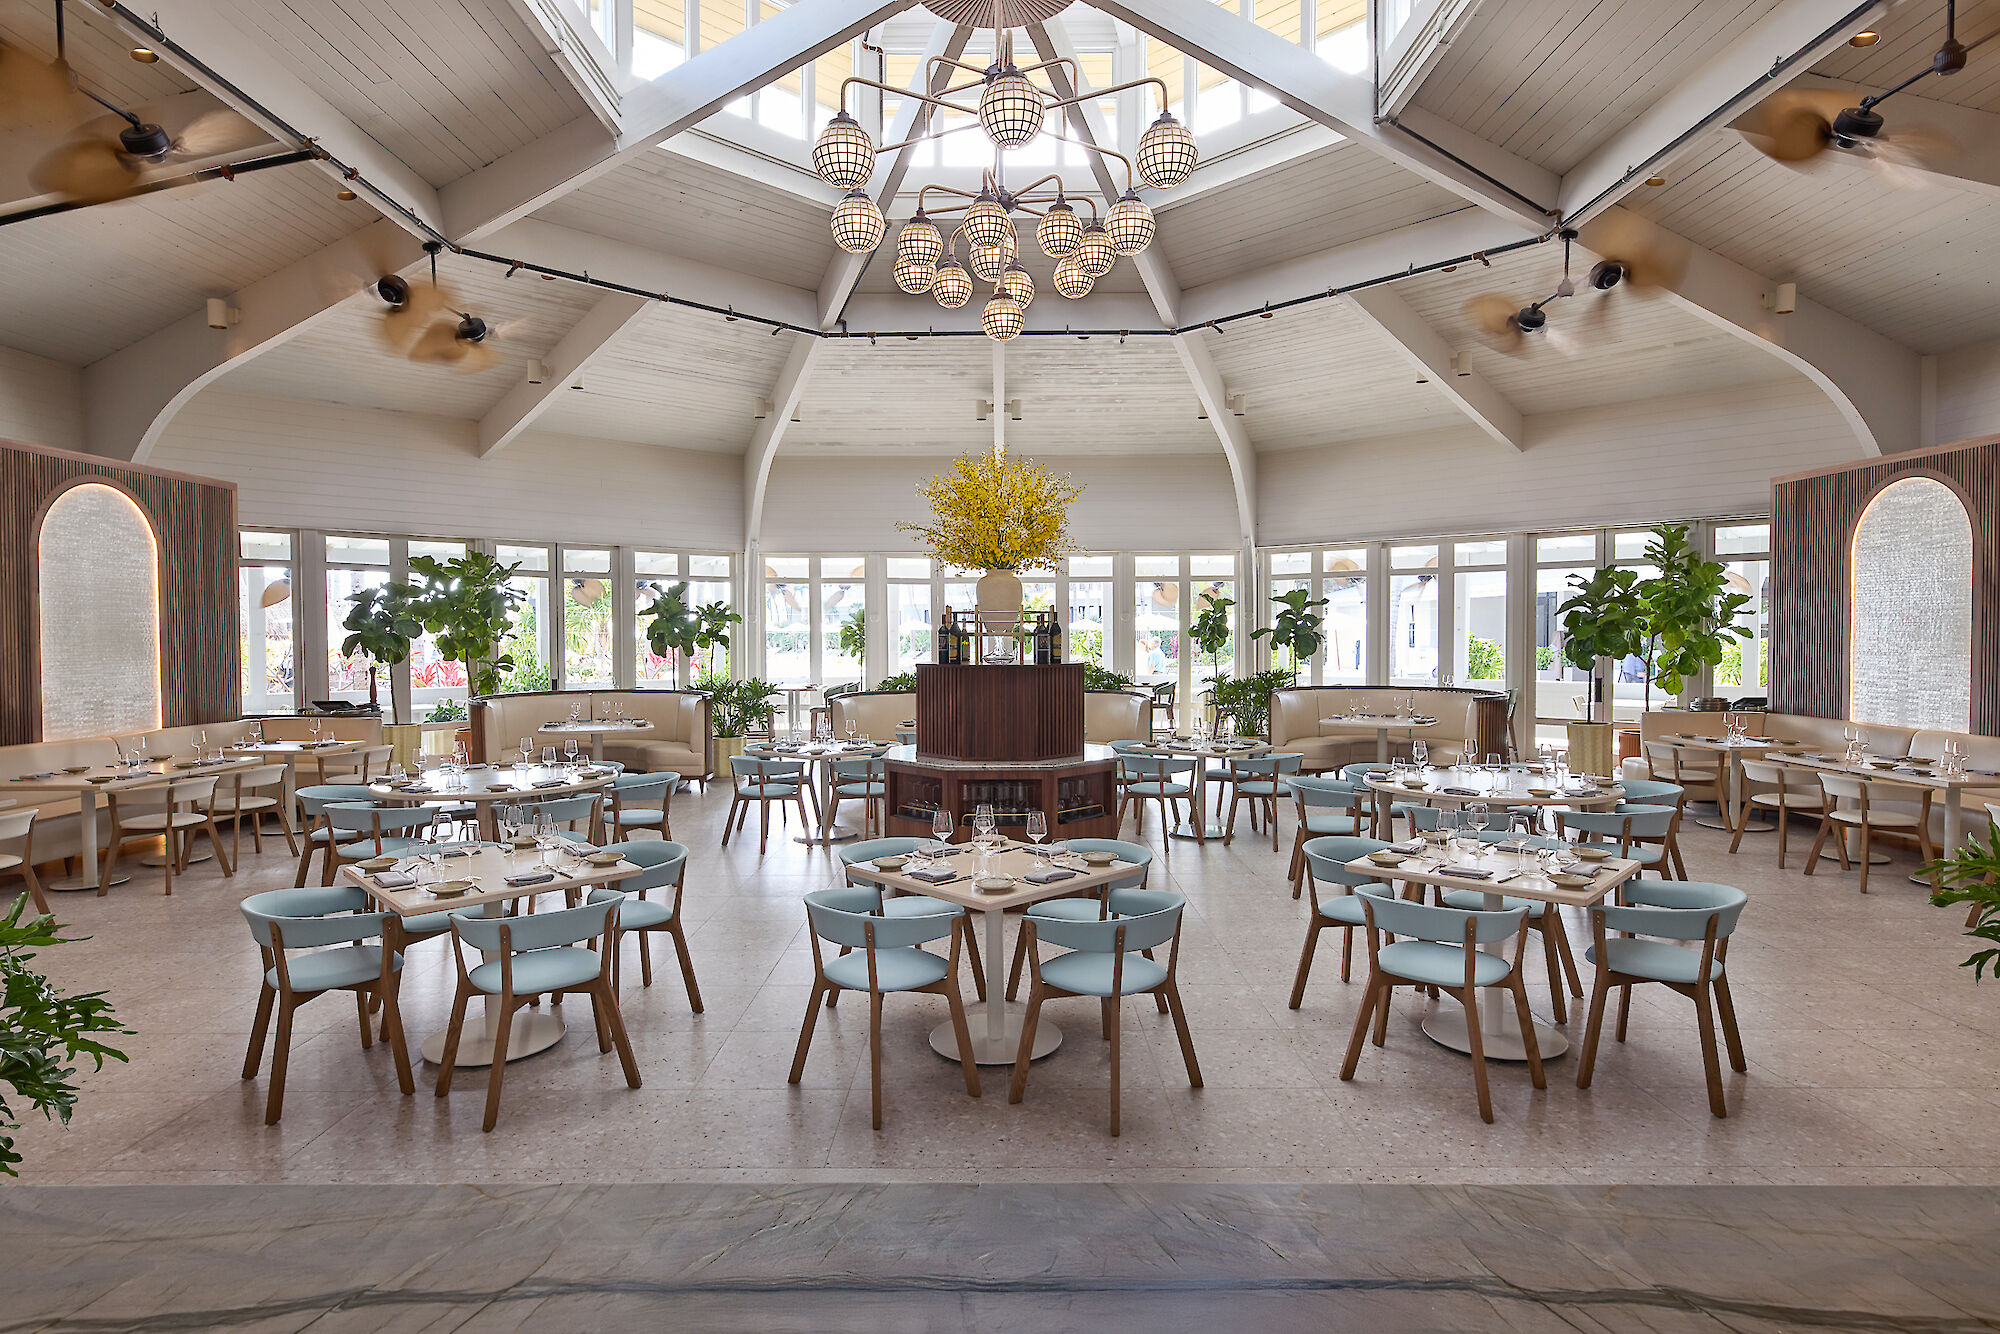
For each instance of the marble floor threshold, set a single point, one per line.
(990, 1256)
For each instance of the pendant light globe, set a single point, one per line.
(1129, 224)
(953, 285)
(1071, 281)
(986, 222)
(1094, 253)
(919, 242)
(1003, 318)
(1167, 153)
(844, 156)
(1059, 231)
(1010, 108)
(857, 224)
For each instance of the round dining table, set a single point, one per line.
(1508, 787)
(1198, 825)
(486, 786)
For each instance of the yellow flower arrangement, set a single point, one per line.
(997, 513)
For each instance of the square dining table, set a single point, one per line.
(489, 867)
(113, 780)
(1514, 875)
(999, 1040)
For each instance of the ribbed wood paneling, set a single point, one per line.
(1552, 79)
(1002, 714)
(1812, 535)
(194, 522)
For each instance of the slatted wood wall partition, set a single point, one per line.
(194, 521)
(1813, 517)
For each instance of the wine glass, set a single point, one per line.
(1038, 828)
(575, 714)
(983, 821)
(527, 751)
(315, 731)
(941, 827)
(569, 750)
(548, 757)
(1469, 753)
(1493, 762)
(850, 731)
(1422, 754)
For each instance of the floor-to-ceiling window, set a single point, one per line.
(1745, 552)
(1630, 688)
(653, 573)
(909, 630)
(843, 620)
(1413, 615)
(353, 562)
(264, 602)
(589, 654)
(436, 685)
(1479, 613)
(532, 630)
(1092, 607)
(1561, 690)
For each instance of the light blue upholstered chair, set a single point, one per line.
(1120, 747)
(1327, 807)
(640, 801)
(1326, 863)
(1659, 919)
(1648, 792)
(363, 829)
(1260, 780)
(1086, 905)
(1106, 960)
(1639, 832)
(898, 904)
(665, 864)
(881, 955)
(313, 802)
(328, 922)
(760, 782)
(866, 781)
(1545, 919)
(1166, 780)
(577, 819)
(538, 955)
(1439, 947)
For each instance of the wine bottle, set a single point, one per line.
(944, 636)
(1055, 639)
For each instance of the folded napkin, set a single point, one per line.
(935, 875)
(551, 782)
(418, 788)
(392, 880)
(530, 878)
(469, 850)
(582, 849)
(24, 778)
(1460, 791)
(1048, 875)
(1408, 847)
(1468, 872)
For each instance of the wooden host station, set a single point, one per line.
(1008, 735)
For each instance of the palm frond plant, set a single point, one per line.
(42, 1030)
(1972, 875)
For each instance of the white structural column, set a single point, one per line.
(1727, 83)
(1875, 383)
(131, 395)
(614, 313)
(1333, 98)
(1427, 350)
(552, 166)
(221, 42)
(999, 413)
(764, 441)
(913, 117)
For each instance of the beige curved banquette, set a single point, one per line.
(1296, 712)
(679, 740)
(1108, 715)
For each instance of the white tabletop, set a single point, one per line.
(593, 726)
(1517, 874)
(1511, 786)
(500, 783)
(1015, 862)
(489, 869)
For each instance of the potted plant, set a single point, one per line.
(1600, 618)
(852, 637)
(41, 1029)
(382, 627)
(1972, 875)
(1208, 631)
(1689, 614)
(678, 631)
(1001, 515)
(736, 709)
(467, 603)
(1248, 699)
(1297, 625)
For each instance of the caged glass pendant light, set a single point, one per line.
(1012, 109)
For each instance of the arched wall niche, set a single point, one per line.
(97, 563)
(1910, 602)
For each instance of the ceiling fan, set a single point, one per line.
(1796, 125)
(424, 323)
(105, 157)
(1636, 256)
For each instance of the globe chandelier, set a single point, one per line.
(1012, 110)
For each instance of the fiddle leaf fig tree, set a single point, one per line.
(1296, 625)
(1690, 614)
(468, 603)
(1602, 618)
(1209, 631)
(676, 630)
(382, 626)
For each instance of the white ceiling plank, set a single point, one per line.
(684, 96)
(1486, 406)
(1876, 384)
(1340, 101)
(1228, 427)
(1801, 31)
(913, 117)
(786, 391)
(576, 251)
(613, 315)
(1367, 260)
(130, 396)
(869, 314)
(221, 44)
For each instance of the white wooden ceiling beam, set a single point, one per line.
(219, 41)
(786, 391)
(1875, 384)
(1237, 450)
(1726, 85)
(572, 156)
(600, 327)
(1433, 241)
(1427, 350)
(131, 395)
(913, 117)
(1334, 98)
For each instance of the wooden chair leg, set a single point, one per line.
(367, 1028)
(1554, 962)
(806, 1032)
(1568, 958)
(1477, 1042)
(1362, 1016)
(619, 1038)
(392, 1029)
(1530, 1041)
(1017, 1088)
(1111, 1032)
(968, 1066)
(1173, 991)
(1382, 1014)
(1864, 856)
(1711, 1066)
(1624, 1009)
(281, 1053)
(975, 962)
(645, 960)
(1725, 1010)
(875, 1053)
(729, 819)
(448, 1061)
(253, 1059)
(305, 862)
(497, 1072)
(1020, 961)
(687, 964)
(1784, 819)
(1593, 1028)
(1305, 964)
(1346, 953)
(34, 887)
(1840, 846)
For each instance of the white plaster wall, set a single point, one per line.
(41, 401)
(1968, 392)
